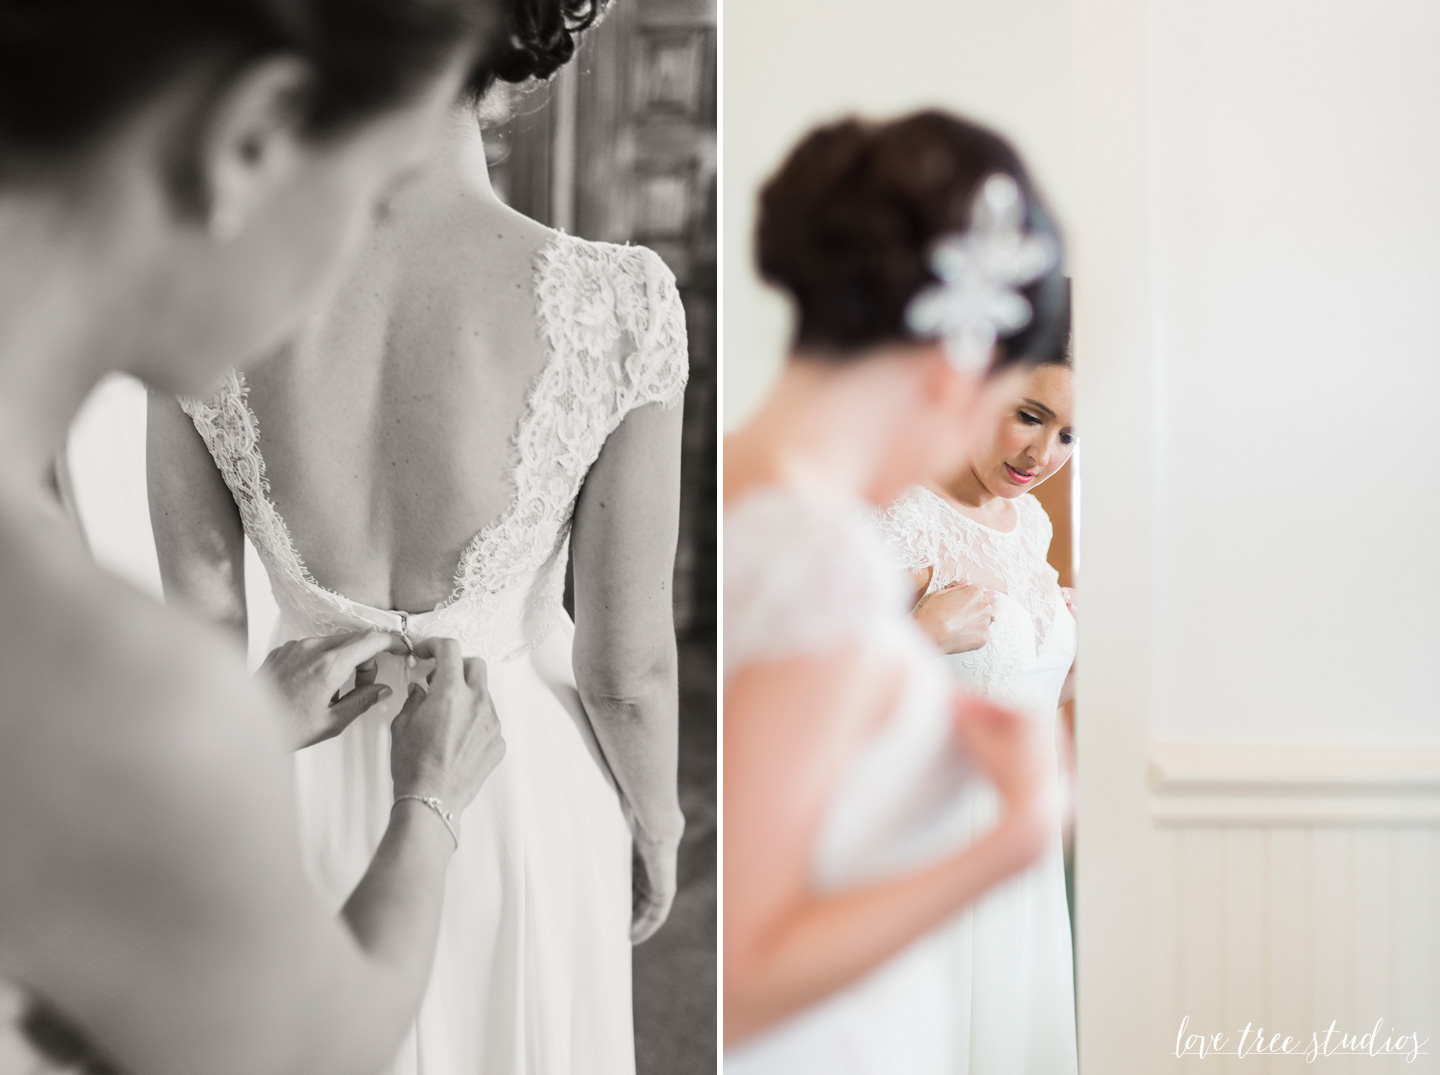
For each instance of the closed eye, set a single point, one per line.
(1028, 418)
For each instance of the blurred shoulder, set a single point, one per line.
(803, 572)
(108, 692)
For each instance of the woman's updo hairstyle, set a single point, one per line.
(848, 224)
(68, 68)
(543, 37)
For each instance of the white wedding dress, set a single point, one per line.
(532, 972)
(1012, 948)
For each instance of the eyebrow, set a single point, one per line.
(1037, 405)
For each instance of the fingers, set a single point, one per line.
(366, 673)
(978, 721)
(649, 917)
(352, 650)
(449, 663)
(414, 699)
(476, 676)
(351, 705)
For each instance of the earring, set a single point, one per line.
(226, 223)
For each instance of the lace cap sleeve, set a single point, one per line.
(657, 369)
(903, 527)
(1039, 531)
(802, 578)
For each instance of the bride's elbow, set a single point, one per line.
(628, 686)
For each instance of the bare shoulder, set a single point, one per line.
(481, 241)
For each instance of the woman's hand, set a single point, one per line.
(446, 740)
(1068, 592)
(310, 672)
(1019, 758)
(653, 885)
(958, 617)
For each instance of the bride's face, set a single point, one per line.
(1035, 435)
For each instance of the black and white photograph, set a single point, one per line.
(358, 392)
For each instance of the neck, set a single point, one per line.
(969, 490)
(49, 335)
(459, 158)
(830, 426)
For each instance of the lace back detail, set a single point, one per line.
(614, 330)
(589, 298)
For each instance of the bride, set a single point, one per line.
(985, 529)
(922, 268)
(482, 395)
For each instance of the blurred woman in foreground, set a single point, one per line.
(180, 184)
(923, 268)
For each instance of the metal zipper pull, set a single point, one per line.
(410, 661)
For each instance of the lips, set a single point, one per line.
(1019, 477)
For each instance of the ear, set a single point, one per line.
(251, 142)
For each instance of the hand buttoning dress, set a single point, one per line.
(532, 970)
(1012, 948)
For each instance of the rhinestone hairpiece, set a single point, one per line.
(981, 269)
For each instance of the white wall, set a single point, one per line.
(789, 64)
(1296, 228)
(1255, 238)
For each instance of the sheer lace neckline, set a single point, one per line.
(954, 509)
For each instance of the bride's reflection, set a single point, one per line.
(987, 595)
(921, 264)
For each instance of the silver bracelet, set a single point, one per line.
(435, 804)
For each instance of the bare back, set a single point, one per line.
(387, 429)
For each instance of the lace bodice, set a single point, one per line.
(614, 332)
(1032, 627)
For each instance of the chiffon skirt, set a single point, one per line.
(532, 971)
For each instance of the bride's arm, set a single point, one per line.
(624, 537)
(790, 728)
(199, 537)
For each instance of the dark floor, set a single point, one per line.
(675, 970)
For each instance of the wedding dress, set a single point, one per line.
(806, 572)
(532, 971)
(1012, 948)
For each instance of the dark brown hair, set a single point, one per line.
(542, 37)
(848, 223)
(68, 68)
